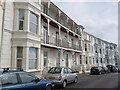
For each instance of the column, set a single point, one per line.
(60, 42)
(27, 20)
(59, 16)
(73, 57)
(68, 35)
(73, 29)
(48, 26)
(14, 57)
(38, 58)
(74, 43)
(48, 7)
(68, 38)
(62, 59)
(25, 62)
(39, 25)
(59, 31)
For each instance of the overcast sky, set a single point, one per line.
(99, 17)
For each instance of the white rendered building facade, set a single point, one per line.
(38, 35)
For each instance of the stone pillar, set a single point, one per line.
(62, 59)
(68, 35)
(25, 62)
(48, 26)
(14, 57)
(38, 58)
(59, 32)
(27, 21)
(39, 25)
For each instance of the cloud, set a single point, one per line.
(85, 0)
(99, 18)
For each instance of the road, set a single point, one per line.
(95, 81)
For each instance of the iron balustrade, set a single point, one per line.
(58, 19)
(52, 40)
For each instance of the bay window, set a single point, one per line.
(33, 22)
(21, 19)
(32, 58)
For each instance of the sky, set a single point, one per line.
(99, 17)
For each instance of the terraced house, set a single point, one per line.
(39, 35)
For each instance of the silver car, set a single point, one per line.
(61, 76)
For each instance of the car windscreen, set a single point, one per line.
(55, 70)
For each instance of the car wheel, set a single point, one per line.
(76, 80)
(48, 88)
(64, 84)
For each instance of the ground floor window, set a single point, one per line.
(45, 58)
(19, 57)
(86, 60)
(66, 59)
(32, 58)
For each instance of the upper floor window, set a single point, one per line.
(33, 22)
(21, 19)
(85, 47)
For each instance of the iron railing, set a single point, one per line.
(58, 42)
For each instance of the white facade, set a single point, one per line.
(1, 22)
(37, 36)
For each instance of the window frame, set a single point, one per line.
(19, 58)
(33, 59)
(33, 23)
(21, 20)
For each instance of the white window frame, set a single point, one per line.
(21, 20)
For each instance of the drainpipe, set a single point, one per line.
(2, 30)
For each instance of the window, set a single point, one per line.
(55, 70)
(45, 35)
(93, 61)
(97, 61)
(69, 70)
(8, 79)
(86, 61)
(45, 9)
(33, 22)
(80, 59)
(27, 78)
(101, 60)
(65, 70)
(85, 47)
(100, 51)
(45, 58)
(32, 58)
(21, 19)
(19, 56)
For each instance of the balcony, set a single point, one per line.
(56, 17)
(50, 40)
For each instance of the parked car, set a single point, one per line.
(21, 80)
(97, 70)
(62, 76)
(112, 68)
(106, 70)
(118, 69)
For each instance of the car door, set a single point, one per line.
(28, 82)
(71, 75)
(66, 75)
(9, 81)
